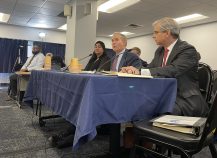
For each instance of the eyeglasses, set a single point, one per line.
(156, 32)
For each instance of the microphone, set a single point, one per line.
(85, 57)
(99, 69)
(66, 68)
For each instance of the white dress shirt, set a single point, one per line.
(119, 58)
(36, 63)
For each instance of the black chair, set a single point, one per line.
(205, 77)
(185, 145)
(57, 63)
(214, 85)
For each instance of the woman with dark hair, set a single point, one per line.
(99, 60)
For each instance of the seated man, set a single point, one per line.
(137, 51)
(36, 61)
(123, 56)
(176, 59)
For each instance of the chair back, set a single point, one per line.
(211, 123)
(214, 74)
(205, 77)
(57, 63)
(214, 86)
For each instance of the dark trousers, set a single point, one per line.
(12, 89)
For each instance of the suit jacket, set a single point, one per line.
(129, 59)
(182, 64)
(103, 63)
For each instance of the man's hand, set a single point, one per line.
(24, 70)
(130, 70)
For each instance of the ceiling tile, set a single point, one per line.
(53, 5)
(51, 12)
(36, 3)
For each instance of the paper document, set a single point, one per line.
(184, 124)
(120, 74)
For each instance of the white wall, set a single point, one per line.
(26, 33)
(203, 37)
(107, 41)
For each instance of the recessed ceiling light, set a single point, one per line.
(42, 34)
(124, 33)
(4, 17)
(190, 18)
(63, 27)
(115, 5)
(39, 25)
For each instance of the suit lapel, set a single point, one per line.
(173, 53)
(123, 61)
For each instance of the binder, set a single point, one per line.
(183, 124)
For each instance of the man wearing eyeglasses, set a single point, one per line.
(176, 59)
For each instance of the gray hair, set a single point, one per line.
(170, 24)
(123, 37)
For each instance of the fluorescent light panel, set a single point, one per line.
(190, 18)
(4, 17)
(63, 27)
(115, 5)
(125, 33)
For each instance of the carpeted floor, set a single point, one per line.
(21, 136)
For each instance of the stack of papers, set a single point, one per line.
(183, 124)
(120, 74)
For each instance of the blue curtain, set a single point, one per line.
(55, 48)
(9, 50)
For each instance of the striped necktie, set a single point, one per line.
(114, 64)
(165, 57)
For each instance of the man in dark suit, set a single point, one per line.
(176, 59)
(123, 57)
(137, 51)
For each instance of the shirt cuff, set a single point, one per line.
(145, 72)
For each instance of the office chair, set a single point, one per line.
(57, 63)
(175, 142)
(214, 85)
(205, 78)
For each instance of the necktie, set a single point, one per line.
(165, 57)
(114, 64)
(30, 61)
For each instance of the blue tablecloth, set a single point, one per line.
(88, 100)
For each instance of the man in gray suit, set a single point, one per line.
(176, 59)
(123, 57)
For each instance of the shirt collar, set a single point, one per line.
(121, 52)
(172, 45)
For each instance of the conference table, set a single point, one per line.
(89, 100)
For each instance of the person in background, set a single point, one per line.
(176, 59)
(57, 62)
(123, 56)
(36, 61)
(137, 51)
(99, 59)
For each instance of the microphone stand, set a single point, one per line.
(17, 61)
(65, 68)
